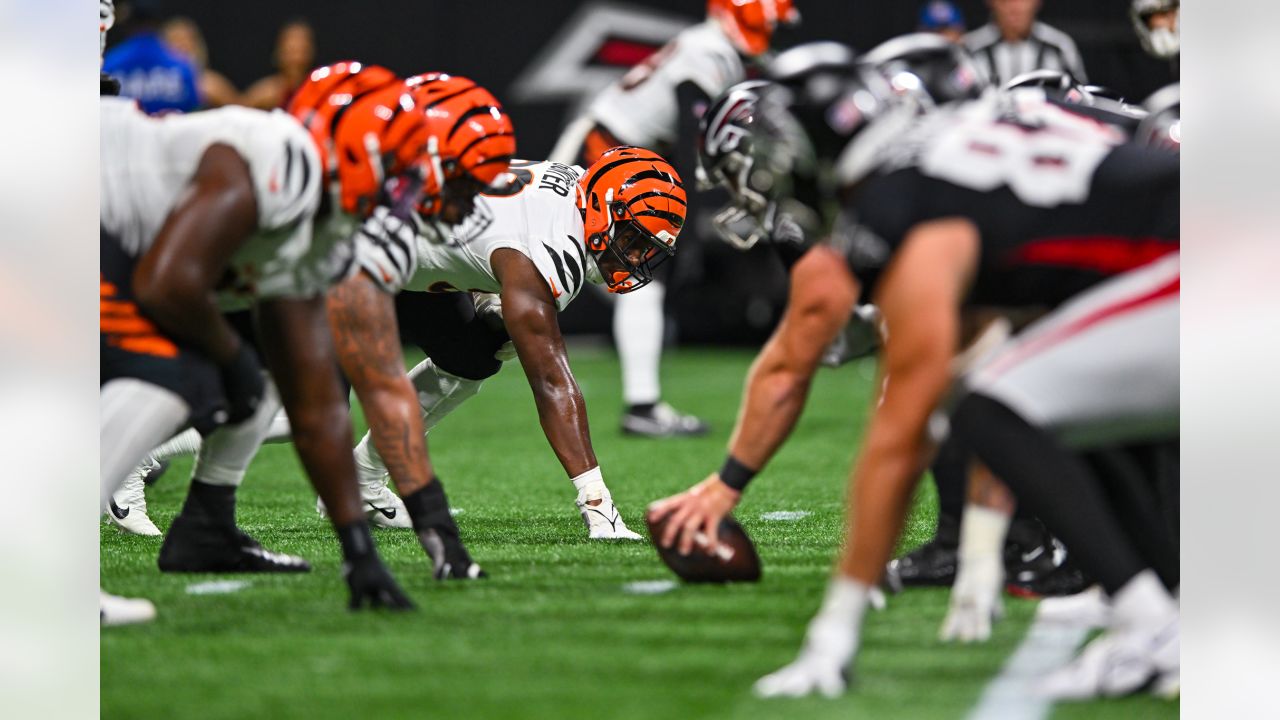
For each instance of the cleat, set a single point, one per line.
(603, 520)
(1065, 580)
(195, 546)
(1119, 663)
(127, 508)
(930, 565)
(383, 507)
(662, 421)
(116, 610)
(1031, 556)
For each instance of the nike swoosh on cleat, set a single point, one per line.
(613, 523)
(388, 513)
(1028, 557)
(119, 512)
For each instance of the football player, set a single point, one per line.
(469, 141)
(214, 211)
(527, 251)
(1001, 202)
(656, 105)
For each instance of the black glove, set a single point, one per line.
(371, 584)
(243, 384)
(368, 579)
(429, 510)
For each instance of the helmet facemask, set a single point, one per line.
(627, 252)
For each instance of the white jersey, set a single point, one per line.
(640, 108)
(147, 165)
(535, 213)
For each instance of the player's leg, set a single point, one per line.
(1100, 370)
(204, 536)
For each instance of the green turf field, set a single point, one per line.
(552, 633)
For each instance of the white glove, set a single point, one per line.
(829, 648)
(975, 596)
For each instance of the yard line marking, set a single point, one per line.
(785, 515)
(1011, 694)
(649, 587)
(217, 587)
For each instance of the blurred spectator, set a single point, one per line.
(157, 77)
(1014, 42)
(183, 37)
(294, 57)
(943, 18)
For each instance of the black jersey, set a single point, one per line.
(1060, 201)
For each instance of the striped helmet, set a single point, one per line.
(471, 141)
(633, 207)
(366, 127)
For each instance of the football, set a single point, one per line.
(735, 559)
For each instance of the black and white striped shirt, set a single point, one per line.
(1047, 48)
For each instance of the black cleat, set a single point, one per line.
(930, 565)
(195, 546)
(1065, 579)
(1030, 552)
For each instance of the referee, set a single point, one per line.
(1013, 42)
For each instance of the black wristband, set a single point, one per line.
(429, 507)
(734, 474)
(356, 540)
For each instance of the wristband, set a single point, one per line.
(734, 474)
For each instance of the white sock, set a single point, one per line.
(982, 532)
(134, 416)
(186, 442)
(637, 331)
(279, 430)
(226, 453)
(590, 485)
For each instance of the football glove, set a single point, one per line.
(244, 384)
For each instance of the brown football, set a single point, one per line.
(735, 560)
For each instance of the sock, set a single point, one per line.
(846, 598)
(591, 487)
(135, 415)
(1054, 483)
(637, 331)
(186, 442)
(951, 476)
(213, 504)
(1131, 487)
(641, 409)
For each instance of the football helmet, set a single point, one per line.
(471, 143)
(933, 69)
(1161, 42)
(367, 130)
(1162, 127)
(749, 24)
(633, 206)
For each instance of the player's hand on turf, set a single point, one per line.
(697, 510)
(823, 666)
(449, 557)
(372, 586)
(975, 601)
(244, 384)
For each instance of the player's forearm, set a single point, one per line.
(563, 415)
(362, 320)
(773, 399)
(191, 316)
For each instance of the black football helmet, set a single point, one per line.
(929, 67)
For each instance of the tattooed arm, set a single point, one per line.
(363, 320)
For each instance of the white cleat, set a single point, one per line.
(1120, 663)
(116, 610)
(1089, 609)
(127, 507)
(603, 520)
(383, 507)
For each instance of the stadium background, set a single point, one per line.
(542, 58)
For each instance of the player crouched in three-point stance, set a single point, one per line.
(526, 252)
(1004, 202)
(215, 211)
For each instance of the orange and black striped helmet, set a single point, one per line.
(633, 207)
(366, 127)
(472, 139)
(750, 23)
